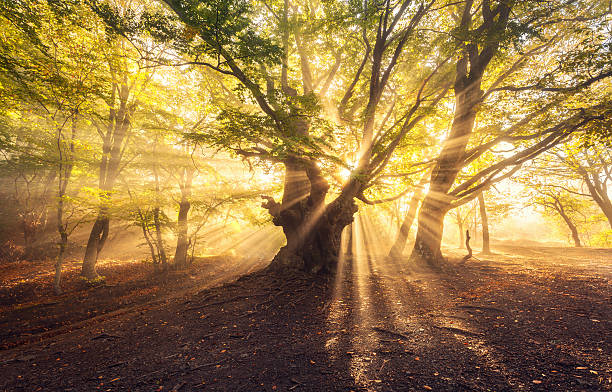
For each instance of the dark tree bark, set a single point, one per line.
(66, 164)
(313, 229)
(486, 245)
(467, 246)
(568, 221)
(161, 249)
(97, 238)
(110, 165)
(182, 241)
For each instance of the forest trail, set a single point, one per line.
(500, 323)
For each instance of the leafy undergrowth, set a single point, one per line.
(495, 323)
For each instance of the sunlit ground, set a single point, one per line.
(391, 300)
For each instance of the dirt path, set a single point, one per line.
(498, 323)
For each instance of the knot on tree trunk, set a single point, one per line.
(271, 205)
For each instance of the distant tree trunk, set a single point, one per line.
(159, 239)
(66, 163)
(145, 233)
(182, 241)
(461, 236)
(119, 123)
(486, 246)
(598, 191)
(467, 246)
(29, 235)
(34, 206)
(573, 229)
(161, 250)
(97, 238)
(349, 250)
(60, 260)
(402, 236)
(143, 222)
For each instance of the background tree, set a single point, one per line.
(500, 44)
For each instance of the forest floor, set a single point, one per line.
(525, 318)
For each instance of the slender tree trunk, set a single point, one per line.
(119, 122)
(182, 240)
(145, 234)
(66, 164)
(569, 223)
(57, 281)
(461, 236)
(349, 247)
(159, 239)
(402, 236)
(486, 245)
(467, 246)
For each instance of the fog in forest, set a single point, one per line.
(320, 195)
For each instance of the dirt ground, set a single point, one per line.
(528, 318)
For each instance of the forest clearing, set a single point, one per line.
(510, 322)
(306, 195)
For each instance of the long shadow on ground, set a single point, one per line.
(377, 326)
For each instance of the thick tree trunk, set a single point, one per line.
(313, 230)
(314, 245)
(486, 245)
(606, 207)
(97, 238)
(598, 192)
(429, 233)
(437, 202)
(470, 68)
(182, 242)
